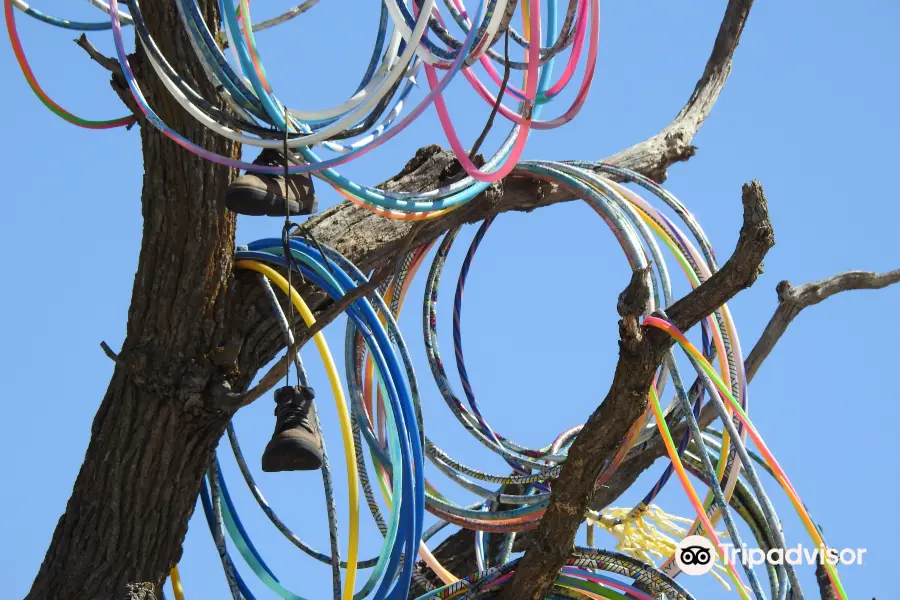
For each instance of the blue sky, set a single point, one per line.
(810, 110)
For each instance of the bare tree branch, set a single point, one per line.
(110, 64)
(673, 144)
(110, 354)
(791, 300)
(756, 238)
(641, 350)
(117, 81)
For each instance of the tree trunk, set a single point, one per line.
(133, 497)
(154, 430)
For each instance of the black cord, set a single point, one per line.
(286, 232)
(286, 246)
(308, 234)
(496, 107)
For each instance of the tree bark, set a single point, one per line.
(154, 430)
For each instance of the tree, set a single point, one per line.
(181, 374)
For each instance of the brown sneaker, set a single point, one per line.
(258, 194)
(296, 444)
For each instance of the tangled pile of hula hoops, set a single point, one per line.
(380, 409)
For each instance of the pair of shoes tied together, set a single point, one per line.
(296, 444)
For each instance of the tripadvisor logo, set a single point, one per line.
(695, 555)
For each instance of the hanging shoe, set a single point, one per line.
(296, 444)
(258, 194)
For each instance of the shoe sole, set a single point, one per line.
(286, 454)
(254, 202)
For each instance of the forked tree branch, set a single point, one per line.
(641, 350)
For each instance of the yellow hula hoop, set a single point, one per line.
(343, 414)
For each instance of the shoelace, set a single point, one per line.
(293, 413)
(270, 158)
(273, 158)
